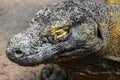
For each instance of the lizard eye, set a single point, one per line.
(58, 32)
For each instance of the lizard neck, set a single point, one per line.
(113, 40)
(91, 67)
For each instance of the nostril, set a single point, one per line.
(18, 53)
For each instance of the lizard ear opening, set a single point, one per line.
(99, 35)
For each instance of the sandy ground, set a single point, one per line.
(15, 16)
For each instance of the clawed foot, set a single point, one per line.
(53, 72)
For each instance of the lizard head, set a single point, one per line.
(64, 30)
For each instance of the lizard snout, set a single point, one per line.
(17, 46)
(13, 49)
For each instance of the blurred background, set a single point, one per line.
(15, 16)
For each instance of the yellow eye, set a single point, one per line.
(58, 32)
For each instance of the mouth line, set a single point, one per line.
(56, 57)
(69, 54)
(61, 56)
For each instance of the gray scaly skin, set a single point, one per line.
(78, 35)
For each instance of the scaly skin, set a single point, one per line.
(80, 36)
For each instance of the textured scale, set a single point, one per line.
(114, 26)
(81, 37)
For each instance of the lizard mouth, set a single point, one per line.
(65, 56)
(56, 57)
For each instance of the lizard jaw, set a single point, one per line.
(54, 57)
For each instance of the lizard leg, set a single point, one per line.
(53, 72)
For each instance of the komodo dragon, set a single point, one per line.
(80, 36)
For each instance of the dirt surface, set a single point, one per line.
(15, 16)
